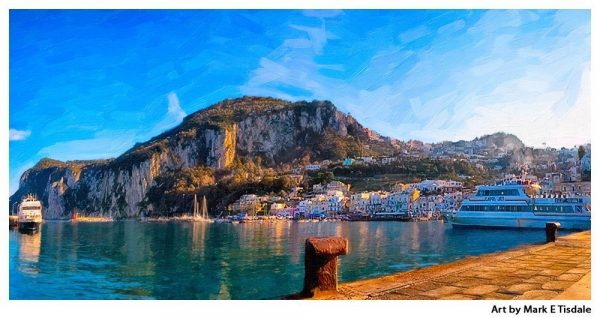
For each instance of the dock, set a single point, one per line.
(13, 220)
(556, 270)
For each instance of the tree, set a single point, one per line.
(580, 152)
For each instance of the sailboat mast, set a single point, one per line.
(195, 206)
(204, 208)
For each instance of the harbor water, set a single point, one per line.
(179, 260)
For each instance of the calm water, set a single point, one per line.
(132, 260)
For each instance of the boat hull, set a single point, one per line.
(29, 226)
(522, 220)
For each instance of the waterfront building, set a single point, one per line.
(438, 185)
(359, 202)
(336, 203)
(367, 160)
(572, 188)
(338, 186)
(452, 201)
(312, 167)
(586, 162)
(400, 187)
(347, 162)
(295, 193)
(388, 160)
(276, 208)
(318, 188)
(248, 203)
(572, 174)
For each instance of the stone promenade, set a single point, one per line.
(560, 270)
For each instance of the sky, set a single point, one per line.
(89, 84)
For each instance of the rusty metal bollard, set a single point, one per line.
(551, 231)
(320, 263)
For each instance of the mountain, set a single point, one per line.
(218, 151)
(497, 142)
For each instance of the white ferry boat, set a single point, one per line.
(518, 204)
(30, 213)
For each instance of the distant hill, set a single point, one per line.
(499, 141)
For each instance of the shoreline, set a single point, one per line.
(556, 270)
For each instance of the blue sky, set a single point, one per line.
(90, 84)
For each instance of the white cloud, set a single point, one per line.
(451, 27)
(413, 34)
(104, 145)
(112, 143)
(486, 67)
(15, 134)
(175, 110)
(500, 78)
(175, 114)
(318, 36)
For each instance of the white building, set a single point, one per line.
(438, 185)
(312, 167)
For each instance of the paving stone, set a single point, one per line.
(506, 281)
(497, 296)
(557, 285)
(442, 291)
(481, 290)
(448, 279)
(539, 279)
(458, 297)
(577, 271)
(508, 270)
(519, 289)
(426, 286)
(553, 272)
(486, 275)
(524, 273)
(570, 277)
(395, 296)
(537, 295)
(470, 282)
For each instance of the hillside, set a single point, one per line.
(221, 151)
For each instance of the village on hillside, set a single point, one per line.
(558, 172)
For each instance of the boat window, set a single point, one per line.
(503, 192)
(555, 208)
(31, 208)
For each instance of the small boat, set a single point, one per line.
(30, 214)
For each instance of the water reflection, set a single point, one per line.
(198, 238)
(132, 260)
(29, 251)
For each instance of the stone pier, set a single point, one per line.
(555, 270)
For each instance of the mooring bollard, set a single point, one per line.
(320, 263)
(551, 231)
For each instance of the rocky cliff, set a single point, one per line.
(208, 142)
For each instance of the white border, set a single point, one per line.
(260, 308)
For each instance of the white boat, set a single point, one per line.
(30, 213)
(518, 204)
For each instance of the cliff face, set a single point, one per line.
(275, 130)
